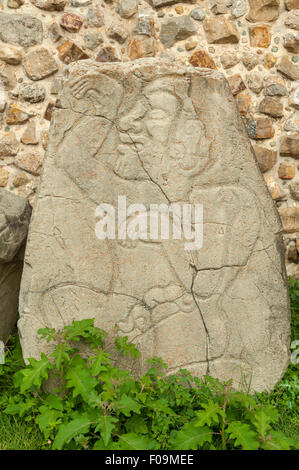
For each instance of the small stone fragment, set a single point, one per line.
(10, 54)
(239, 8)
(127, 8)
(275, 189)
(292, 253)
(15, 115)
(31, 92)
(107, 54)
(294, 190)
(292, 20)
(69, 52)
(263, 10)
(236, 84)
(219, 7)
(190, 44)
(229, 60)
(4, 175)
(260, 36)
(20, 179)
(145, 24)
(266, 158)
(92, 40)
(289, 146)
(9, 145)
(291, 4)
(117, 32)
(142, 46)
(220, 31)
(243, 102)
(39, 64)
(290, 218)
(49, 5)
(202, 59)
(176, 29)
(274, 86)
(80, 3)
(71, 22)
(49, 110)
(95, 16)
(31, 162)
(259, 128)
(24, 30)
(15, 3)
(54, 32)
(271, 106)
(291, 42)
(250, 60)
(294, 98)
(29, 135)
(286, 171)
(269, 61)
(255, 81)
(288, 68)
(197, 14)
(292, 124)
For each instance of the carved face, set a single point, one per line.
(164, 129)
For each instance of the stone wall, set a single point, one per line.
(255, 43)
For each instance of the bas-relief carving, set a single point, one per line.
(196, 310)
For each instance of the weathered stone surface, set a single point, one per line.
(15, 115)
(95, 16)
(107, 54)
(220, 31)
(29, 134)
(15, 3)
(127, 8)
(263, 10)
(39, 64)
(291, 42)
(294, 97)
(118, 32)
(292, 20)
(269, 61)
(292, 124)
(163, 3)
(14, 221)
(259, 128)
(197, 14)
(289, 145)
(71, 22)
(294, 190)
(288, 68)
(9, 145)
(202, 59)
(176, 29)
(49, 5)
(10, 54)
(229, 60)
(239, 8)
(219, 7)
(266, 158)
(54, 32)
(250, 60)
(93, 40)
(271, 106)
(260, 36)
(243, 102)
(286, 171)
(141, 46)
(290, 218)
(30, 161)
(291, 4)
(69, 52)
(275, 188)
(236, 84)
(174, 135)
(23, 29)
(31, 92)
(4, 176)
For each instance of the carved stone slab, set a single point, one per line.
(158, 133)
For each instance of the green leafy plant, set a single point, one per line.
(94, 404)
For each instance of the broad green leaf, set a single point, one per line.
(136, 424)
(54, 402)
(243, 435)
(36, 373)
(126, 405)
(191, 437)
(276, 440)
(81, 381)
(261, 421)
(106, 424)
(132, 441)
(48, 419)
(74, 428)
(209, 415)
